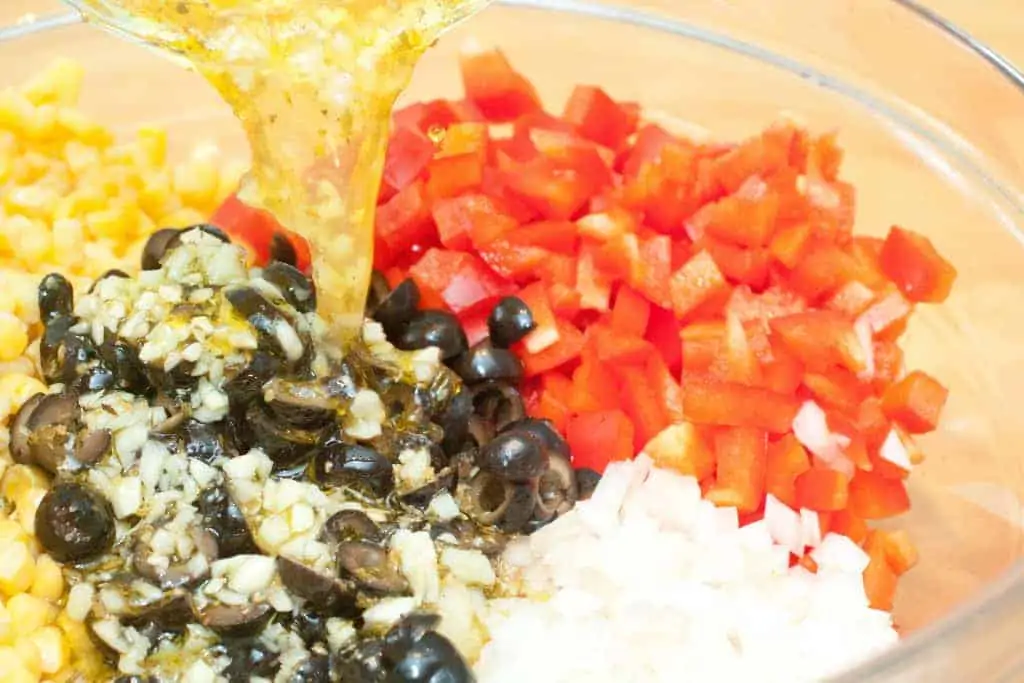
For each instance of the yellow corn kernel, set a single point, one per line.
(60, 83)
(48, 583)
(25, 509)
(182, 218)
(14, 669)
(42, 126)
(13, 337)
(6, 629)
(68, 235)
(155, 196)
(35, 200)
(114, 223)
(10, 530)
(22, 478)
(34, 245)
(28, 653)
(54, 652)
(17, 569)
(29, 613)
(197, 181)
(80, 157)
(16, 387)
(82, 128)
(15, 111)
(152, 145)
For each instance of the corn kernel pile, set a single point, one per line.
(74, 201)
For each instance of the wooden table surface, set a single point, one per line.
(1000, 23)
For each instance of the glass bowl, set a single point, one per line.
(930, 123)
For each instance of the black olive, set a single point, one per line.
(177, 573)
(484, 362)
(247, 385)
(409, 630)
(63, 355)
(236, 621)
(179, 381)
(296, 288)
(509, 322)
(586, 481)
(351, 525)
(74, 523)
(21, 449)
(301, 404)
(378, 291)
(211, 230)
(455, 422)
(310, 626)
(424, 495)
(543, 430)
(93, 446)
(398, 307)
(431, 659)
(282, 250)
(56, 297)
(156, 247)
(96, 378)
(369, 567)
(287, 446)
(491, 499)
(433, 328)
(324, 592)
(113, 272)
(202, 441)
(557, 490)
(495, 405)
(269, 323)
(363, 664)
(225, 522)
(315, 669)
(47, 434)
(123, 359)
(343, 464)
(170, 614)
(249, 658)
(516, 456)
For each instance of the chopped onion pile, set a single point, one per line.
(648, 582)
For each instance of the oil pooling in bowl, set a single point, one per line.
(313, 84)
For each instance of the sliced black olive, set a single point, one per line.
(56, 297)
(236, 621)
(113, 272)
(493, 500)
(202, 441)
(315, 669)
(516, 456)
(296, 288)
(433, 328)
(170, 614)
(225, 522)
(343, 464)
(497, 405)
(74, 523)
(175, 574)
(96, 378)
(431, 659)
(409, 630)
(123, 359)
(484, 362)
(282, 250)
(586, 481)
(276, 333)
(92, 447)
(455, 422)
(63, 355)
(211, 230)
(351, 525)
(287, 446)
(302, 404)
(21, 451)
(556, 489)
(178, 381)
(509, 322)
(156, 247)
(249, 658)
(422, 497)
(543, 430)
(362, 664)
(247, 385)
(370, 568)
(398, 307)
(377, 292)
(327, 593)
(310, 625)
(52, 431)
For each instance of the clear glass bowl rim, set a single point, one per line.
(967, 620)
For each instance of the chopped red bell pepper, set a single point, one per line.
(663, 330)
(596, 439)
(630, 313)
(684, 448)
(916, 402)
(470, 219)
(565, 350)
(879, 578)
(594, 387)
(404, 220)
(409, 153)
(786, 460)
(822, 339)
(646, 149)
(545, 333)
(696, 282)
(598, 117)
(709, 401)
(742, 457)
(648, 414)
(916, 267)
(822, 490)
(555, 236)
(432, 115)
(450, 176)
(463, 281)
(873, 496)
(555, 193)
(498, 91)
(554, 402)
(257, 229)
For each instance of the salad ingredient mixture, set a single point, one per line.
(207, 487)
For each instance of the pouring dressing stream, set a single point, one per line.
(313, 84)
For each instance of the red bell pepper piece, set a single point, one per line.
(405, 219)
(701, 345)
(554, 401)
(555, 193)
(912, 262)
(565, 300)
(598, 117)
(649, 415)
(663, 331)
(739, 265)
(665, 387)
(916, 402)
(546, 332)
(565, 350)
(450, 176)
(684, 448)
(736, 361)
(466, 138)
(850, 525)
(822, 490)
(431, 115)
(614, 348)
(594, 287)
(786, 460)
(646, 149)
(837, 388)
(462, 280)
(873, 496)
(744, 221)
(630, 312)
(257, 229)
(556, 236)
(596, 439)
(498, 91)
(409, 153)
(696, 282)
(472, 219)
(879, 578)
(900, 553)
(822, 339)
(652, 271)
(709, 401)
(594, 387)
(789, 244)
(742, 459)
